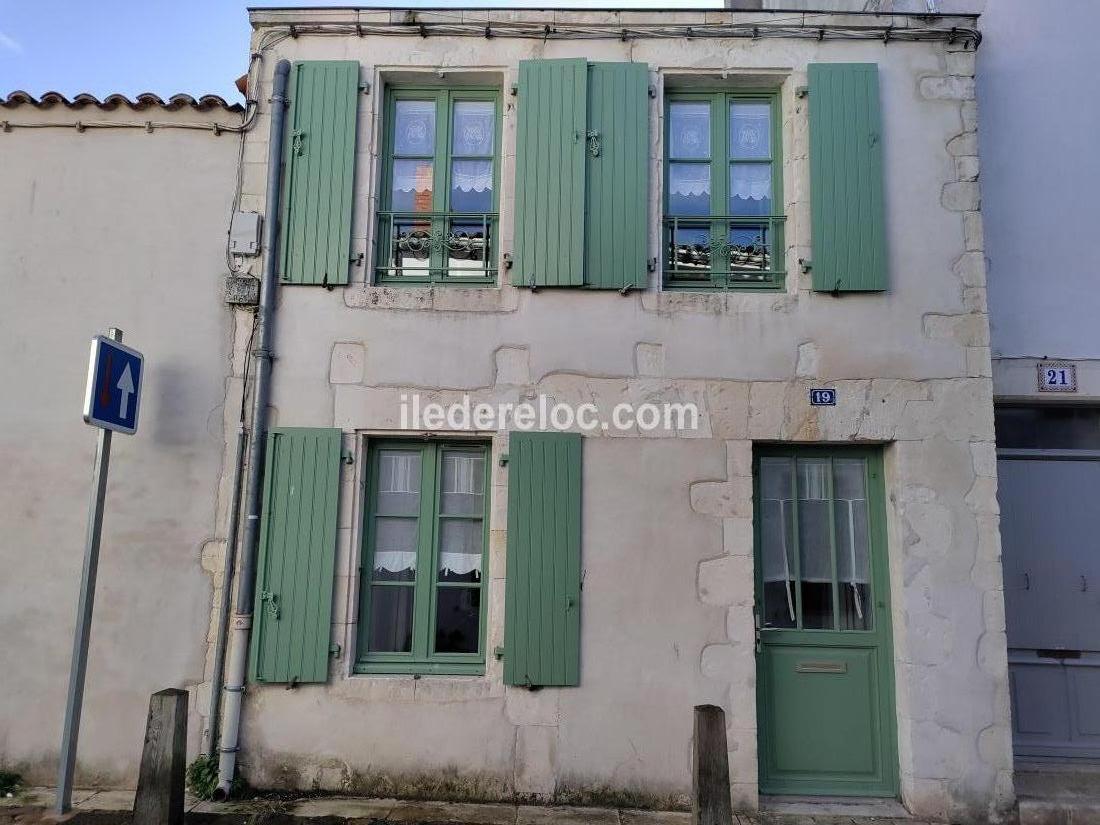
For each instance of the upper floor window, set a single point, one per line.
(723, 226)
(438, 217)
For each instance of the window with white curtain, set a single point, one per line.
(723, 225)
(437, 218)
(421, 594)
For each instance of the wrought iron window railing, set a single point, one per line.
(723, 251)
(437, 247)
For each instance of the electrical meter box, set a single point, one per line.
(244, 233)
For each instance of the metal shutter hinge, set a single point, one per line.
(653, 91)
(272, 600)
(364, 87)
(802, 91)
(504, 460)
(515, 90)
(498, 652)
(593, 139)
(507, 260)
(335, 650)
(805, 264)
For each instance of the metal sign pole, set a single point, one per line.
(84, 617)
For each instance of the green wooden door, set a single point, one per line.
(825, 696)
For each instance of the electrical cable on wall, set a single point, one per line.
(253, 107)
(804, 26)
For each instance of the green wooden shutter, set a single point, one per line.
(319, 173)
(617, 207)
(550, 152)
(291, 624)
(542, 621)
(849, 238)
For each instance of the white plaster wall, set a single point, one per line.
(1040, 178)
(108, 227)
(667, 543)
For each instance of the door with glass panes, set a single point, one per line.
(825, 698)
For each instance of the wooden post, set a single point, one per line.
(710, 771)
(159, 799)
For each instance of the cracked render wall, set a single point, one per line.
(667, 520)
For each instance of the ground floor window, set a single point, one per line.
(422, 599)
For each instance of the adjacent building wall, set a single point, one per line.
(108, 227)
(667, 544)
(1039, 185)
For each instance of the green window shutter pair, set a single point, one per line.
(846, 200)
(293, 608)
(543, 587)
(319, 173)
(582, 174)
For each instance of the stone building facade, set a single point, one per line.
(667, 537)
(827, 573)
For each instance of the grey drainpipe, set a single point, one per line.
(261, 355)
(227, 589)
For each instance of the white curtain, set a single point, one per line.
(689, 179)
(459, 564)
(464, 474)
(394, 561)
(747, 181)
(472, 175)
(450, 563)
(398, 473)
(467, 176)
(412, 176)
(751, 181)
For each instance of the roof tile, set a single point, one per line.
(145, 100)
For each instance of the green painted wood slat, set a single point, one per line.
(318, 181)
(846, 186)
(542, 596)
(297, 555)
(617, 202)
(550, 172)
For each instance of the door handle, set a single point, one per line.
(1027, 581)
(756, 629)
(1084, 585)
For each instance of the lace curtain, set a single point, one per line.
(747, 181)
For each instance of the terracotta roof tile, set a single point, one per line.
(145, 100)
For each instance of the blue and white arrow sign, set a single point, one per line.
(113, 396)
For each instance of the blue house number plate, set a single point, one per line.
(823, 398)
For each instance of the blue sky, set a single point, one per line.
(161, 46)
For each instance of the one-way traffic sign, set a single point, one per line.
(113, 396)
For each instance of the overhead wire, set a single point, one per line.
(252, 107)
(803, 26)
